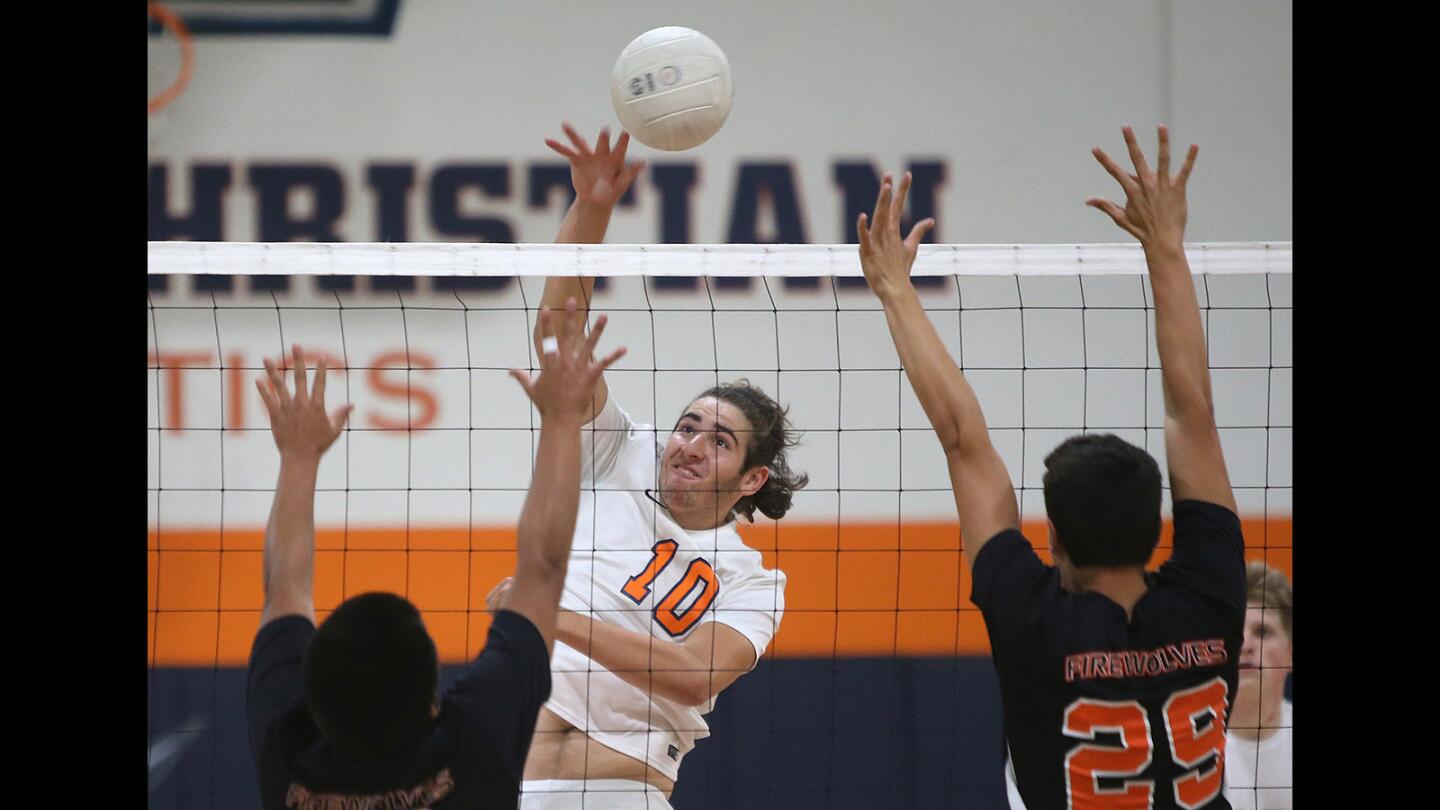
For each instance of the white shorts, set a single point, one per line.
(591, 794)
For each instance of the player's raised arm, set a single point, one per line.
(601, 177)
(302, 432)
(983, 495)
(1154, 213)
(562, 392)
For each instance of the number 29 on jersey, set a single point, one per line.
(1189, 745)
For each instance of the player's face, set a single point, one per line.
(1266, 652)
(705, 453)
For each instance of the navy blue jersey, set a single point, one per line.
(1105, 712)
(473, 757)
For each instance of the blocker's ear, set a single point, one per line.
(1055, 547)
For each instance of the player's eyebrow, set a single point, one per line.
(719, 426)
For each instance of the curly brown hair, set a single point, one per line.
(770, 437)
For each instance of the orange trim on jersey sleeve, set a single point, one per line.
(858, 589)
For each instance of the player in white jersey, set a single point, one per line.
(664, 605)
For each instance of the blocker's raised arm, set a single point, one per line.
(303, 431)
(984, 498)
(1155, 211)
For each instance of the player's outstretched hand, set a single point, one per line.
(600, 175)
(299, 423)
(568, 368)
(1155, 208)
(884, 256)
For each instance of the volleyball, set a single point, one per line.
(671, 88)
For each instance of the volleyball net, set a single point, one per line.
(421, 494)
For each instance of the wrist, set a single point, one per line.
(300, 458)
(894, 292)
(591, 208)
(1168, 247)
(562, 421)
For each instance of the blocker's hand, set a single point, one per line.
(600, 176)
(299, 423)
(568, 368)
(884, 256)
(1155, 208)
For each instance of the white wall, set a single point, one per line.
(1011, 95)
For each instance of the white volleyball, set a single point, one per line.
(671, 88)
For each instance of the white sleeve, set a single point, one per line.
(752, 604)
(601, 440)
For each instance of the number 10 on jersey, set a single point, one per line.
(667, 613)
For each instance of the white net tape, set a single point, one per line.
(447, 259)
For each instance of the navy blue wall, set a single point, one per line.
(843, 733)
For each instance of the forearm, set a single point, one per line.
(661, 667)
(585, 223)
(944, 394)
(1179, 336)
(547, 521)
(289, 564)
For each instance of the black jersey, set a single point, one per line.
(473, 757)
(1105, 712)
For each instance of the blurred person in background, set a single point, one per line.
(1259, 755)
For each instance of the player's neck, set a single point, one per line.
(1123, 586)
(1254, 718)
(692, 514)
(698, 521)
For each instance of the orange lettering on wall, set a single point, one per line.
(171, 365)
(333, 365)
(235, 384)
(421, 404)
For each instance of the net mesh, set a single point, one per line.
(421, 493)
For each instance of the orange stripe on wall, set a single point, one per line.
(858, 589)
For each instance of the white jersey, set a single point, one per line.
(621, 537)
(1012, 790)
(1259, 775)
